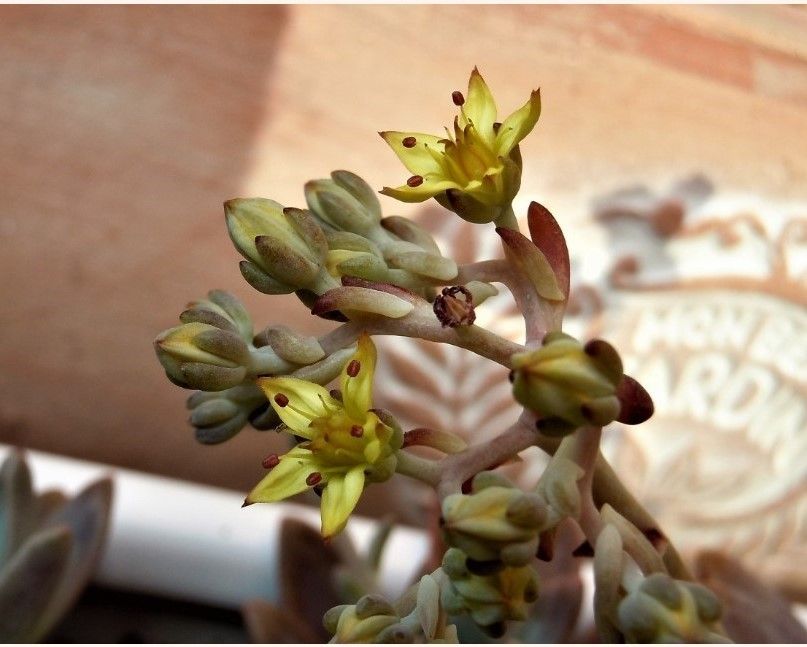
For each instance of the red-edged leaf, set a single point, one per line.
(548, 237)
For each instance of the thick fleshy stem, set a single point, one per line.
(608, 488)
(422, 324)
(458, 468)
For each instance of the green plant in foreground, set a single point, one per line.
(49, 547)
(381, 275)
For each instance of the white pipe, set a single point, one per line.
(196, 542)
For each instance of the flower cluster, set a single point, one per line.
(347, 262)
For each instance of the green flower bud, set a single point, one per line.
(201, 356)
(661, 609)
(492, 599)
(567, 384)
(222, 310)
(345, 202)
(496, 525)
(285, 248)
(219, 415)
(362, 622)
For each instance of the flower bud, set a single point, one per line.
(219, 415)
(661, 609)
(361, 622)
(345, 202)
(222, 310)
(496, 525)
(567, 384)
(491, 599)
(201, 356)
(285, 248)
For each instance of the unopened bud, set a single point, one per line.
(222, 310)
(217, 416)
(200, 356)
(568, 385)
(661, 609)
(345, 202)
(285, 248)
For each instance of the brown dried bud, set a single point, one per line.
(453, 311)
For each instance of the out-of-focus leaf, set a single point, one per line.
(268, 624)
(87, 516)
(752, 612)
(27, 582)
(307, 587)
(17, 505)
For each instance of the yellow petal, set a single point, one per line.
(480, 107)
(428, 189)
(286, 479)
(298, 402)
(417, 159)
(339, 499)
(357, 379)
(518, 125)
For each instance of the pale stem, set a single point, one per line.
(422, 324)
(608, 488)
(458, 468)
(416, 467)
(583, 449)
(507, 219)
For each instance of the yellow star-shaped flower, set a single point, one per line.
(476, 171)
(346, 443)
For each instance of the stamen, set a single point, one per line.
(353, 368)
(409, 142)
(357, 431)
(415, 180)
(270, 461)
(313, 478)
(457, 98)
(281, 400)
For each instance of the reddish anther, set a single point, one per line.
(313, 478)
(415, 180)
(409, 142)
(281, 400)
(357, 431)
(353, 368)
(457, 98)
(270, 461)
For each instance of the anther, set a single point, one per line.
(313, 478)
(281, 400)
(270, 461)
(409, 142)
(457, 98)
(415, 180)
(357, 431)
(353, 368)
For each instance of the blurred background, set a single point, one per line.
(124, 128)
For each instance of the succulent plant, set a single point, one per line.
(49, 547)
